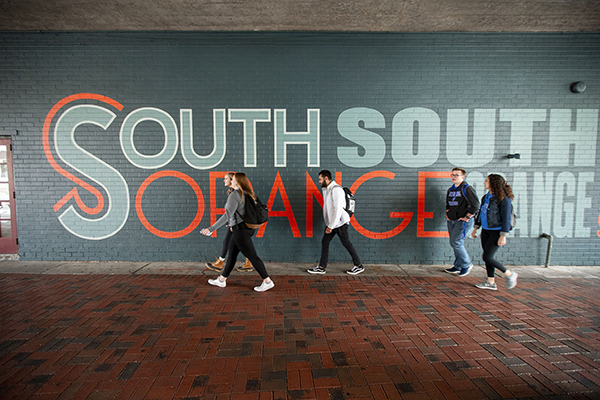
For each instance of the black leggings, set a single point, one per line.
(489, 243)
(241, 241)
(226, 241)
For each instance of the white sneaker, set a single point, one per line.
(486, 285)
(264, 286)
(511, 281)
(217, 282)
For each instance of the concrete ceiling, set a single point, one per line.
(302, 15)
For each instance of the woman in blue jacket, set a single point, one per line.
(494, 219)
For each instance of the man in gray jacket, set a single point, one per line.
(336, 223)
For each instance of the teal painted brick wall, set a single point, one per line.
(406, 104)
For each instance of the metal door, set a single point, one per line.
(8, 220)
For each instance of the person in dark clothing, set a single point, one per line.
(494, 219)
(461, 206)
(241, 238)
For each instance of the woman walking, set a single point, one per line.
(220, 261)
(241, 235)
(494, 219)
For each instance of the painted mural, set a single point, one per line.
(132, 159)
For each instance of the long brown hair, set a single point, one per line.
(244, 185)
(230, 175)
(499, 187)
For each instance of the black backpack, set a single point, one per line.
(350, 201)
(256, 213)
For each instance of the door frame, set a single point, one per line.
(10, 245)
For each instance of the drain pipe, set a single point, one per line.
(549, 237)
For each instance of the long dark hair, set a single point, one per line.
(244, 185)
(499, 187)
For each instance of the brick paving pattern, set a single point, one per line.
(175, 337)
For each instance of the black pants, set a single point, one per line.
(342, 232)
(489, 243)
(241, 241)
(226, 241)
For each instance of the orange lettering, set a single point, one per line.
(214, 210)
(158, 232)
(311, 191)
(73, 193)
(288, 213)
(406, 216)
(422, 215)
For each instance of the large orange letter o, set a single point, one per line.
(158, 232)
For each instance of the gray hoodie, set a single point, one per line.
(234, 212)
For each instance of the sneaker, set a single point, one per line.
(486, 285)
(264, 286)
(453, 270)
(217, 282)
(356, 270)
(465, 271)
(511, 281)
(247, 267)
(317, 270)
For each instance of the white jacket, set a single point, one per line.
(334, 201)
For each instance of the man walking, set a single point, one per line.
(336, 223)
(461, 205)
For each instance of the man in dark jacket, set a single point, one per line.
(461, 205)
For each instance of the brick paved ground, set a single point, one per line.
(175, 337)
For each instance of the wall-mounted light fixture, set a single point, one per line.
(516, 156)
(578, 87)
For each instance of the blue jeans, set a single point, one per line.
(458, 232)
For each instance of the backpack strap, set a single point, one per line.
(344, 195)
(463, 189)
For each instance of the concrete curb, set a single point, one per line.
(290, 269)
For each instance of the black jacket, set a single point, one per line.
(461, 201)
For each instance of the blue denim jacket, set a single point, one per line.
(493, 216)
